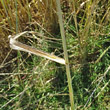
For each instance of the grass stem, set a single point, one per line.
(65, 54)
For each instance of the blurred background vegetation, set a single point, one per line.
(29, 82)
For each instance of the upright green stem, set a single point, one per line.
(65, 54)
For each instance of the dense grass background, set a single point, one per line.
(28, 82)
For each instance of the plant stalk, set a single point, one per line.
(65, 54)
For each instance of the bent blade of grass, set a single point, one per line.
(14, 44)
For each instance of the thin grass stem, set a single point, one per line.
(65, 54)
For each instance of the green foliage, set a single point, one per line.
(36, 83)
